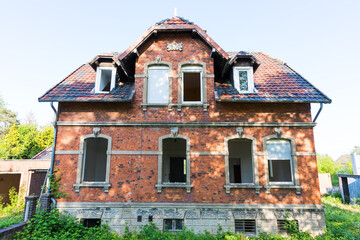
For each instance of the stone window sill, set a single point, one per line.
(104, 185)
(285, 186)
(205, 106)
(230, 186)
(174, 185)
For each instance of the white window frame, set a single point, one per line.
(158, 67)
(192, 69)
(291, 162)
(250, 75)
(98, 79)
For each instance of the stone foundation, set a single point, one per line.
(199, 217)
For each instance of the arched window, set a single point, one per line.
(174, 162)
(280, 164)
(94, 162)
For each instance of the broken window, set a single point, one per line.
(192, 84)
(95, 159)
(105, 79)
(158, 85)
(174, 160)
(279, 161)
(240, 161)
(173, 225)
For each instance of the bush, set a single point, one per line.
(12, 213)
(54, 225)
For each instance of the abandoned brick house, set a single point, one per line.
(179, 132)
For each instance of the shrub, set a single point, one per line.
(12, 213)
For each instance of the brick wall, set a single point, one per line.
(133, 177)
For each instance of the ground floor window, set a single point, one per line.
(283, 226)
(91, 222)
(174, 160)
(240, 161)
(173, 225)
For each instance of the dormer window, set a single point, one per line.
(244, 79)
(105, 79)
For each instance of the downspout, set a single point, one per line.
(53, 151)
(318, 113)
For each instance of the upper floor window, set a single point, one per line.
(158, 85)
(244, 79)
(192, 84)
(279, 161)
(105, 79)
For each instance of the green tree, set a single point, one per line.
(23, 141)
(7, 117)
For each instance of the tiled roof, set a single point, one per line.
(275, 82)
(173, 24)
(78, 86)
(44, 154)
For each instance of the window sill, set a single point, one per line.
(230, 186)
(174, 185)
(104, 185)
(205, 106)
(147, 105)
(283, 186)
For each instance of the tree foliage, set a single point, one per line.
(23, 141)
(327, 165)
(7, 117)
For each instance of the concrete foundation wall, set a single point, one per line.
(199, 217)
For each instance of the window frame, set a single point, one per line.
(192, 69)
(250, 74)
(255, 184)
(158, 67)
(296, 181)
(291, 163)
(81, 165)
(160, 183)
(98, 79)
(173, 223)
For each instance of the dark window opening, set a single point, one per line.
(7, 181)
(283, 226)
(192, 87)
(173, 225)
(240, 161)
(174, 160)
(280, 171)
(150, 218)
(95, 159)
(139, 218)
(105, 80)
(91, 222)
(245, 226)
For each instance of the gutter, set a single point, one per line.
(318, 113)
(53, 152)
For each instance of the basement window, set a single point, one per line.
(105, 79)
(244, 79)
(192, 91)
(279, 161)
(245, 226)
(240, 161)
(173, 225)
(174, 160)
(283, 226)
(158, 85)
(91, 222)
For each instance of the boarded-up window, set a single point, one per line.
(95, 159)
(158, 85)
(280, 161)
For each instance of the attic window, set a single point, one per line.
(244, 79)
(105, 79)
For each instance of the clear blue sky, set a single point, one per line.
(43, 41)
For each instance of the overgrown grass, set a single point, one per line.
(13, 212)
(342, 221)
